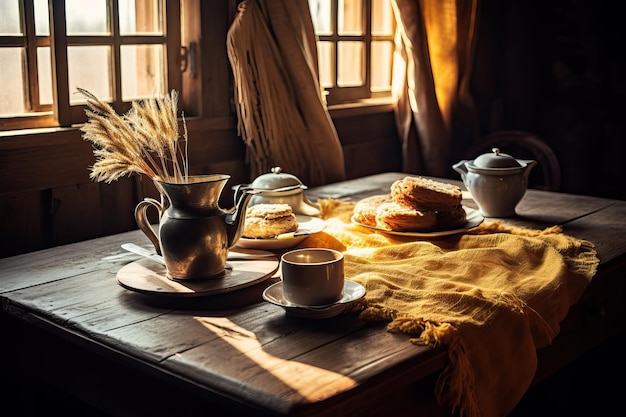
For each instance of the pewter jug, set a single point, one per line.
(194, 233)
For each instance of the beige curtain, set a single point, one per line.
(433, 60)
(282, 116)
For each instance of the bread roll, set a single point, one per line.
(451, 219)
(399, 218)
(269, 220)
(365, 210)
(426, 194)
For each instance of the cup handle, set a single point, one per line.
(143, 223)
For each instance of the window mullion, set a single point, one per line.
(173, 45)
(116, 51)
(32, 87)
(334, 18)
(367, 20)
(60, 77)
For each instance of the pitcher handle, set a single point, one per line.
(142, 220)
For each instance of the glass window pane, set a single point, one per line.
(142, 71)
(42, 22)
(350, 17)
(320, 13)
(12, 91)
(87, 17)
(382, 17)
(350, 64)
(140, 17)
(10, 18)
(89, 67)
(325, 61)
(44, 68)
(381, 66)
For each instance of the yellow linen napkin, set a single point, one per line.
(492, 296)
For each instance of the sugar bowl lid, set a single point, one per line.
(496, 159)
(276, 179)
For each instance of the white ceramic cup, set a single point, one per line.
(312, 276)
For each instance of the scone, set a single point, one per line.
(268, 220)
(399, 218)
(426, 194)
(365, 210)
(450, 219)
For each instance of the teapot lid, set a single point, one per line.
(276, 179)
(496, 159)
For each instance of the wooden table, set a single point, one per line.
(69, 327)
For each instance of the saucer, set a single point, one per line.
(351, 292)
(307, 226)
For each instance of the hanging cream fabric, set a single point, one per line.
(433, 58)
(282, 116)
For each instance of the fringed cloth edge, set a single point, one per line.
(492, 296)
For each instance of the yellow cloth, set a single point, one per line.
(492, 296)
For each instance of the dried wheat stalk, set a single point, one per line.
(144, 140)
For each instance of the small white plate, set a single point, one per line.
(351, 293)
(474, 218)
(311, 224)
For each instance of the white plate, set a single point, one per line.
(351, 293)
(312, 224)
(474, 218)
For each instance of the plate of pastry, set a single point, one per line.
(417, 207)
(275, 226)
(473, 219)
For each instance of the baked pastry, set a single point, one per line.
(365, 210)
(425, 194)
(268, 220)
(399, 218)
(415, 204)
(450, 219)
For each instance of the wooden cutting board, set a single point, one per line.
(148, 277)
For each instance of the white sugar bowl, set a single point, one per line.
(497, 181)
(279, 187)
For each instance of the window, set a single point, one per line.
(119, 50)
(355, 48)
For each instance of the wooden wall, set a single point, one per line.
(555, 68)
(48, 199)
(548, 68)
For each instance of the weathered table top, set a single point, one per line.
(73, 325)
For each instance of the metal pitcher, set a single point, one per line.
(194, 233)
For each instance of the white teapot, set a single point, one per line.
(279, 187)
(496, 180)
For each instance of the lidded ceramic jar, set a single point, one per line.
(282, 188)
(497, 181)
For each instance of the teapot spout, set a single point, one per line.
(236, 216)
(529, 166)
(460, 168)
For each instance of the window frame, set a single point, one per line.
(61, 113)
(336, 95)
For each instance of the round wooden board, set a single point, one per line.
(148, 277)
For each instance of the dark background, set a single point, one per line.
(556, 68)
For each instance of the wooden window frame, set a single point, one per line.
(61, 113)
(337, 95)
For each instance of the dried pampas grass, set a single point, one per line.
(145, 140)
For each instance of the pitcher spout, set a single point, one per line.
(235, 217)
